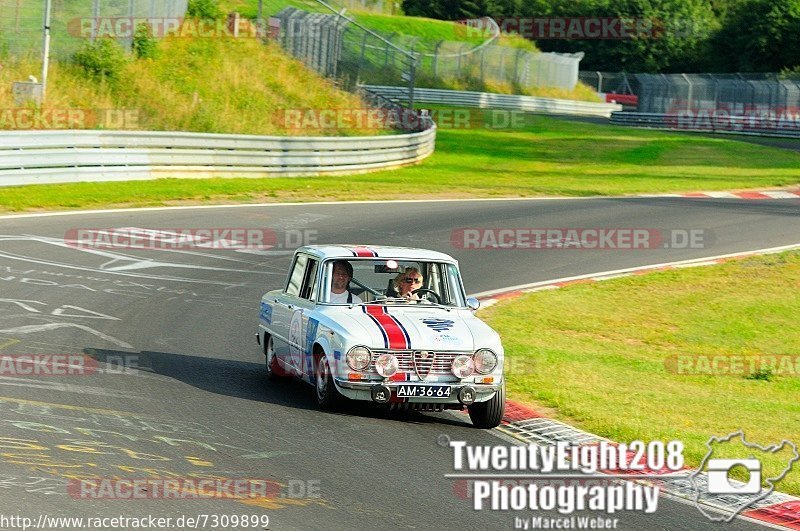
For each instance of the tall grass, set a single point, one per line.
(220, 85)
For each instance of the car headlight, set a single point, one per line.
(387, 365)
(358, 358)
(463, 366)
(485, 361)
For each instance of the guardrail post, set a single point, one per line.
(412, 78)
(46, 47)
(361, 58)
(517, 55)
(483, 57)
(689, 95)
(435, 59)
(96, 15)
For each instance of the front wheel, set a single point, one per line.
(489, 414)
(328, 397)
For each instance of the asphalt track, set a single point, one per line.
(197, 405)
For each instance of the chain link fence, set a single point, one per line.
(74, 21)
(610, 82)
(338, 46)
(384, 7)
(736, 94)
(347, 52)
(500, 64)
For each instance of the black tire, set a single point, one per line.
(328, 397)
(273, 369)
(489, 414)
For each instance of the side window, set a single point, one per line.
(455, 291)
(309, 290)
(297, 276)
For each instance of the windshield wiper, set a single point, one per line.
(403, 300)
(382, 300)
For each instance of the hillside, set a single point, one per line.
(201, 85)
(425, 31)
(423, 35)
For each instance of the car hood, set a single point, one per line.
(403, 328)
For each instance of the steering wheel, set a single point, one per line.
(430, 292)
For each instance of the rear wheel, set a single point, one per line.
(273, 370)
(328, 397)
(489, 414)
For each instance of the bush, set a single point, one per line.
(206, 9)
(102, 59)
(144, 45)
(791, 73)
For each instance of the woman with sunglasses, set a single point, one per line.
(407, 282)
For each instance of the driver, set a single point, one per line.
(340, 284)
(407, 282)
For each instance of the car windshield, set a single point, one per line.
(391, 282)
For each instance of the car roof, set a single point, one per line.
(378, 251)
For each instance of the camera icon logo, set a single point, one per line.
(719, 481)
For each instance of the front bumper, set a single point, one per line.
(365, 391)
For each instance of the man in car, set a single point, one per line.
(340, 284)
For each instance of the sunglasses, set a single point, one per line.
(413, 281)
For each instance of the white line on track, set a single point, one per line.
(696, 262)
(315, 203)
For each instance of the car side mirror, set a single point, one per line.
(473, 304)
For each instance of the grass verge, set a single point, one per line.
(545, 157)
(601, 356)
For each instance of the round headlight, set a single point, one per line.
(485, 361)
(387, 365)
(358, 358)
(463, 366)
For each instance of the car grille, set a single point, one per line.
(438, 364)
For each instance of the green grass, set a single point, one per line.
(236, 86)
(594, 354)
(249, 8)
(426, 31)
(549, 157)
(429, 31)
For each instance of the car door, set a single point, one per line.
(302, 342)
(291, 314)
(284, 307)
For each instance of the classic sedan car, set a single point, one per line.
(346, 323)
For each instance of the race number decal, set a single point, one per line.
(296, 338)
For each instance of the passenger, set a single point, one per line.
(340, 284)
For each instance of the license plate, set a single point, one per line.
(423, 391)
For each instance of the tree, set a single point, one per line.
(758, 36)
(446, 9)
(675, 43)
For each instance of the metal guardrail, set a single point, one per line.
(486, 100)
(704, 123)
(38, 157)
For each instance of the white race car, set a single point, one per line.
(376, 340)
